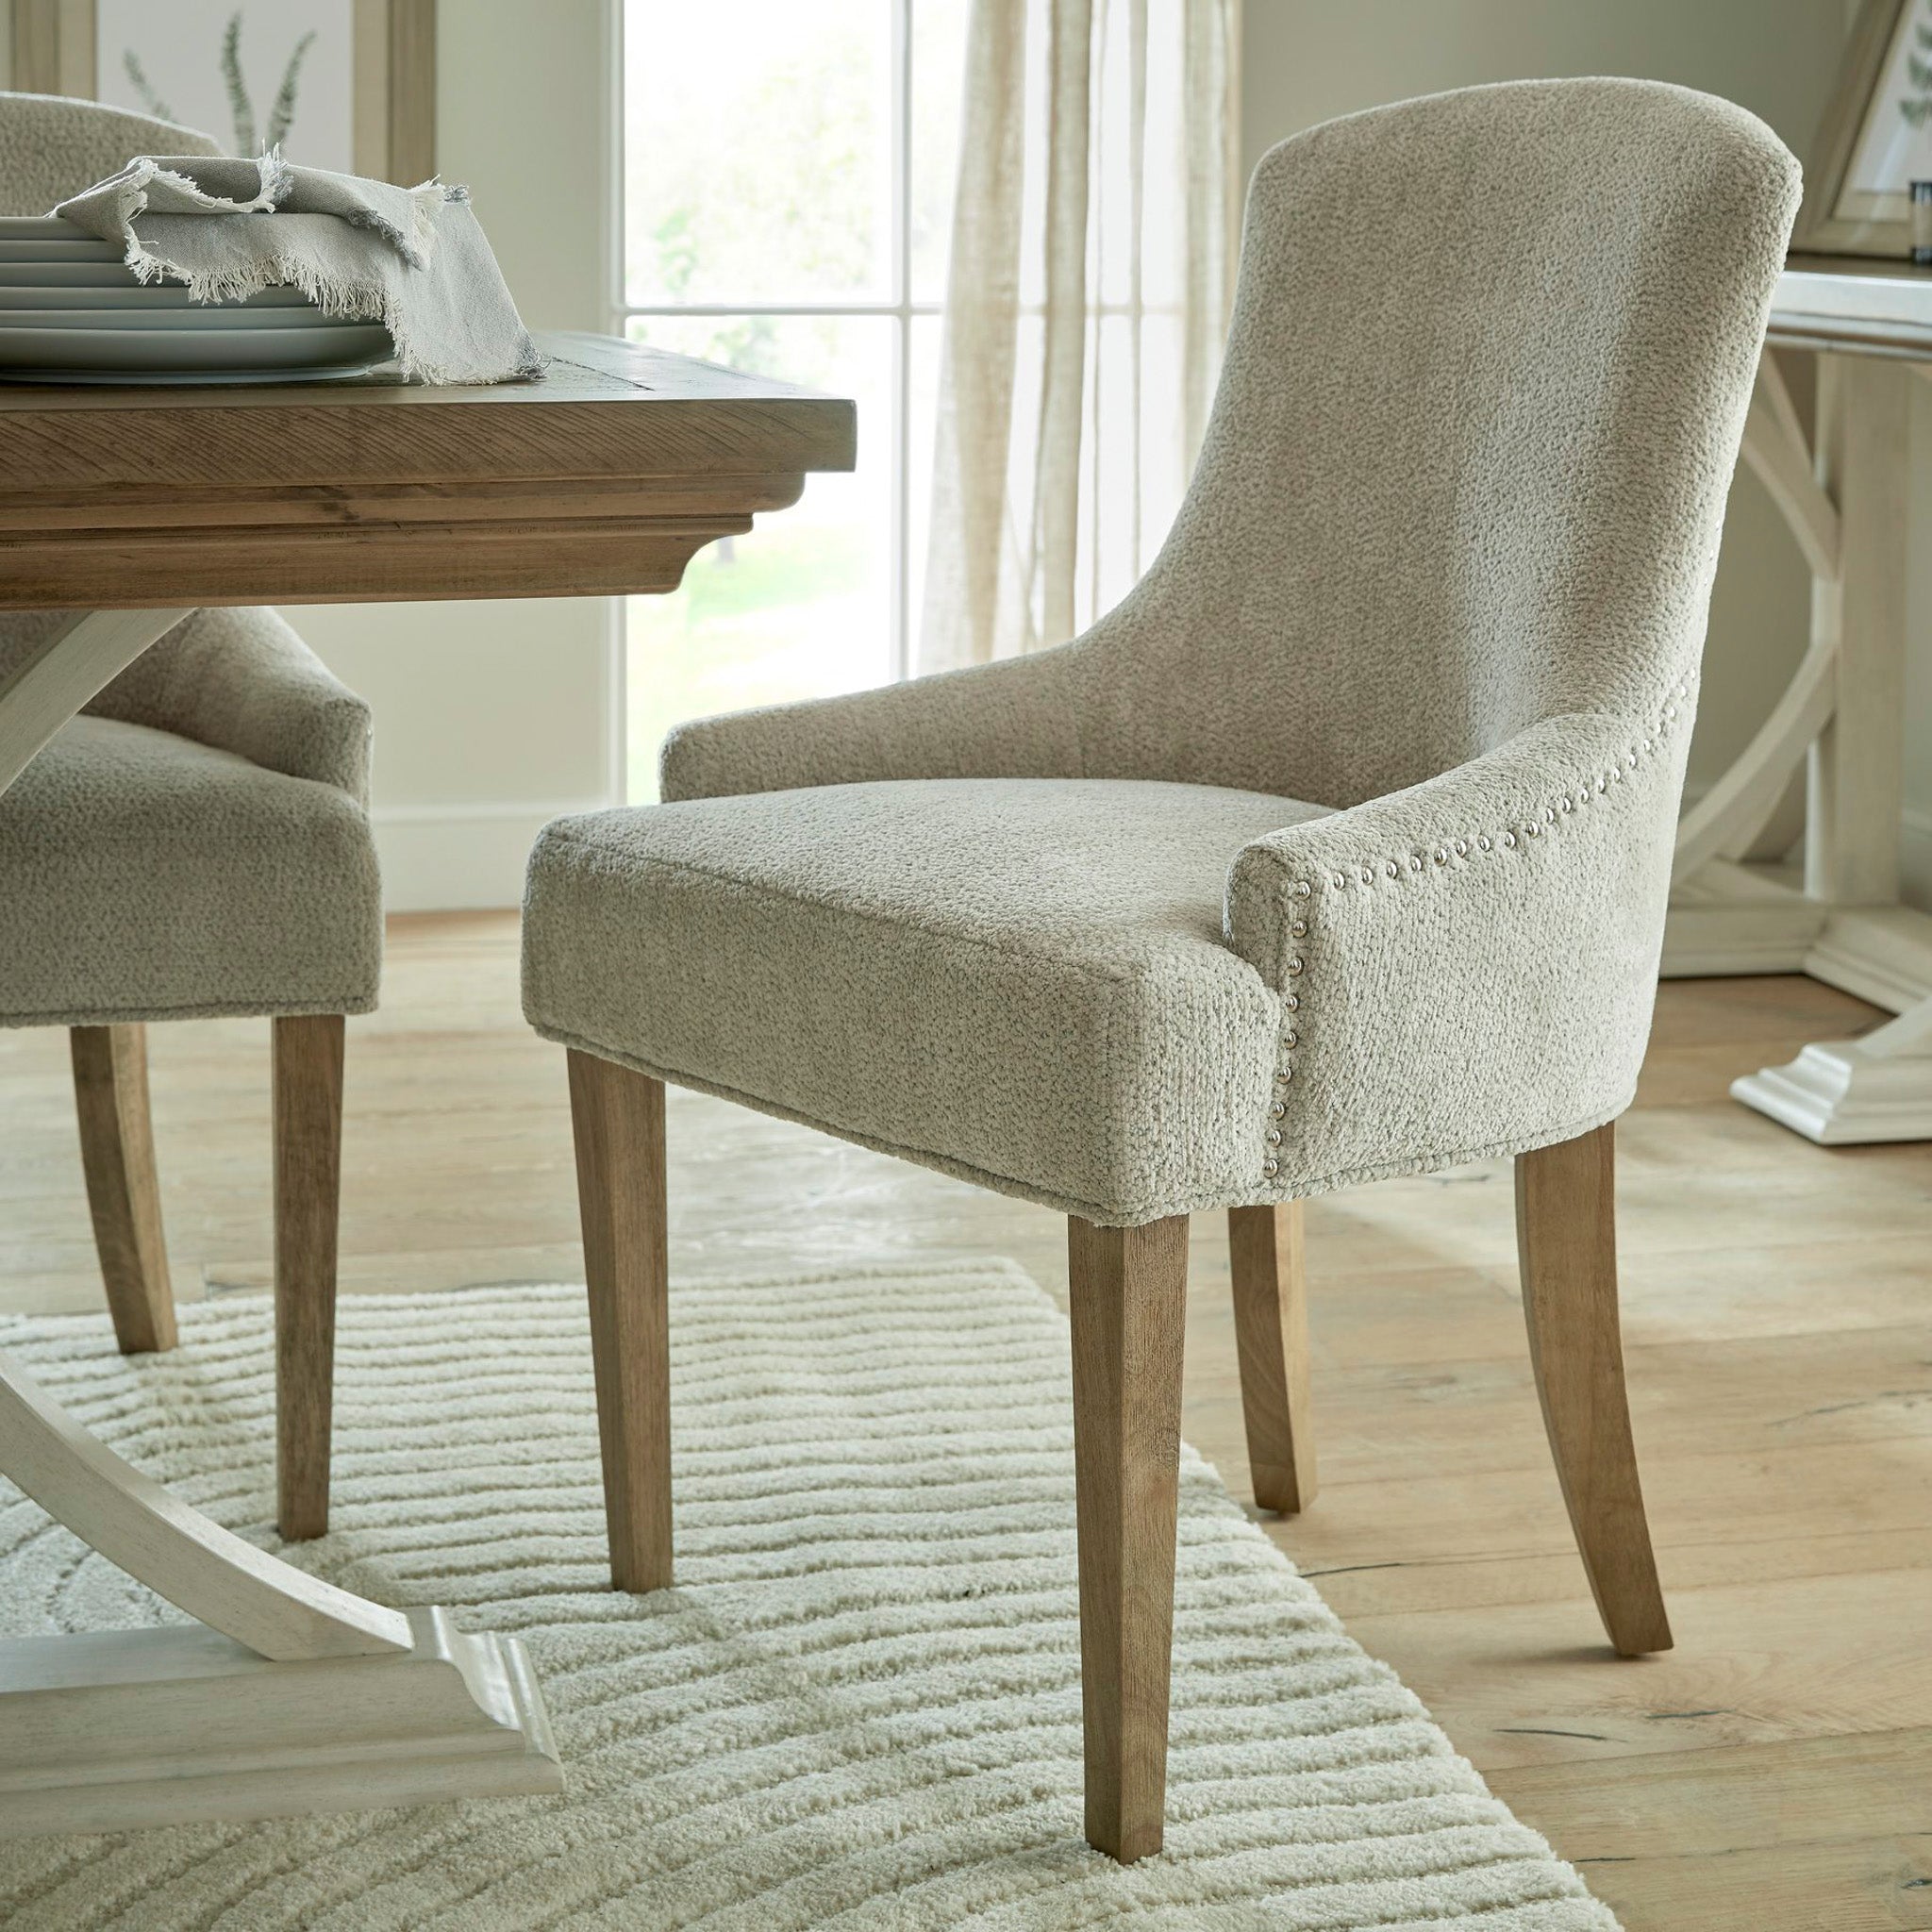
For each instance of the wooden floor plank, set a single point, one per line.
(1774, 1772)
(1756, 1662)
(1811, 1836)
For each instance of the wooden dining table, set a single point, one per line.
(129, 507)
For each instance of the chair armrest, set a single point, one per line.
(1006, 720)
(242, 681)
(1468, 967)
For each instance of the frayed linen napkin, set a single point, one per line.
(415, 260)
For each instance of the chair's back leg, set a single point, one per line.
(308, 1078)
(117, 1153)
(1128, 1295)
(1271, 1332)
(617, 1117)
(1566, 1240)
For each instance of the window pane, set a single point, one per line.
(800, 607)
(758, 151)
(939, 71)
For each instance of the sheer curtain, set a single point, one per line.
(1093, 263)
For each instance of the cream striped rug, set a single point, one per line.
(858, 1709)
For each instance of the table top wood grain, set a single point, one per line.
(602, 478)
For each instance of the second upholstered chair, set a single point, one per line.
(1338, 850)
(195, 844)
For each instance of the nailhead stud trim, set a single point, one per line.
(1590, 788)
(1290, 1039)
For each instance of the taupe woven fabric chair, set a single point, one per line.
(1338, 850)
(195, 844)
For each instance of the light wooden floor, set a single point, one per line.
(1772, 1772)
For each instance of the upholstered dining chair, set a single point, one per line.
(1337, 850)
(195, 844)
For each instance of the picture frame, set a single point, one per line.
(1875, 137)
(393, 109)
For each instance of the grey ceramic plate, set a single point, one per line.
(41, 229)
(217, 320)
(136, 354)
(154, 300)
(70, 275)
(82, 248)
(198, 379)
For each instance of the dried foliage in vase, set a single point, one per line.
(281, 112)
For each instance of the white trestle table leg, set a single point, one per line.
(1840, 1093)
(288, 1695)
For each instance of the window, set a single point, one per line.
(787, 194)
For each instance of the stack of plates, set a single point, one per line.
(70, 311)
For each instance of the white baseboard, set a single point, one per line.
(1915, 858)
(462, 858)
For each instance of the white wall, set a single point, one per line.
(1304, 60)
(492, 717)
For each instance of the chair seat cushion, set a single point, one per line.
(147, 876)
(1020, 981)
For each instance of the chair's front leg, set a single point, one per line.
(1129, 1293)
(124, 1193)
(617, 1117)
(308, 1078)
(1566, 1243)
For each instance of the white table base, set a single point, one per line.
(288, 1695)
(128, 1728)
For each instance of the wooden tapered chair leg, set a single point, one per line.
(617, 1117)
(1566, 1239)
(117, 1153)
(307, 1080)
(1271, 1328)
(1128, 1292)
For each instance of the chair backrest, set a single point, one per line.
(1485, 384)
(51, 147)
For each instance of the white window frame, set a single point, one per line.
(899, 309)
